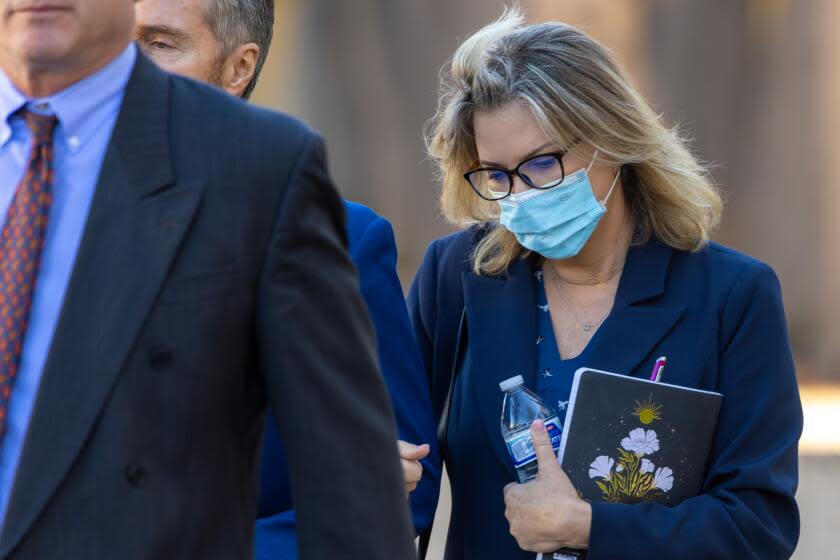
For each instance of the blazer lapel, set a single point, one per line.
(136, 223)
(502, 334)
(637, 322)
(502, 329)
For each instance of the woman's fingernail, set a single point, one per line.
(538, 426)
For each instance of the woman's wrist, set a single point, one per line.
(581, 523)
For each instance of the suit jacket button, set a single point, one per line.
(160, 358)
(135, 474)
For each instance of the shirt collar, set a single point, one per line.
(10, 101)
(78, 106)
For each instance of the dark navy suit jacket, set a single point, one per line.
(374, 251)
(212, 272)
(716, 314)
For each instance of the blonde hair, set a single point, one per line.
(579, 96)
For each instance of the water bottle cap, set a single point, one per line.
(509, 384)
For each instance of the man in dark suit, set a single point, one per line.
(161, 281)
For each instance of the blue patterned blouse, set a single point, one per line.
(554, 375)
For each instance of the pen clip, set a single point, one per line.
(658, 368)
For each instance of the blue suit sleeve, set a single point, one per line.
(420, 295)
(748, 508)
(276, 537)
(375, 255)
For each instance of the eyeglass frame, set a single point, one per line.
(515, 171)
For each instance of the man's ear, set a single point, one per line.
(239, 67)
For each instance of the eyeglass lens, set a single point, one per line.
(538, 172)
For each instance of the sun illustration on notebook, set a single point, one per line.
(647, 411)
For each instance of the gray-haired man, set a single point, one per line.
(222, 42)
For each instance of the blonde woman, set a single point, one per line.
(586, 242)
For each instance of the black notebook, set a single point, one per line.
(631, 440)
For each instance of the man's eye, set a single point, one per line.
(159, 46)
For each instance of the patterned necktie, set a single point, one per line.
(21, 241)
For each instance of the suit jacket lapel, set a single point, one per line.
(136, 223)
(638, 322)
(502, 327)
(502, 334)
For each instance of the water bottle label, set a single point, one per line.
(521, 448)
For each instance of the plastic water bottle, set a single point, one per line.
(520, 407)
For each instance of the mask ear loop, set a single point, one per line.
(609, 194)
(592, 161)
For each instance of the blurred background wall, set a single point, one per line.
(756, 83)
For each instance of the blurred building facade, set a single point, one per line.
(754, 82)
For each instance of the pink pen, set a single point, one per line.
(658, 367)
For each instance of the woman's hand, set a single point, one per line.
(410, 456)
(547, 514)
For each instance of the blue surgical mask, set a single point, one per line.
(556, 222)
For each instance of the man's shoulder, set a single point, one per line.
(368, 233)
(214, 115)
(359, 216)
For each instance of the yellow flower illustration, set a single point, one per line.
(631, 477)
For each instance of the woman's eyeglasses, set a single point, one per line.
(542, 171)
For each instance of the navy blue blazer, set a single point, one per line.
(374, 251)
(716, 314)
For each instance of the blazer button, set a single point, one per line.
(160, 358)
(135, 474)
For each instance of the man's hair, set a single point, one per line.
(237, 22)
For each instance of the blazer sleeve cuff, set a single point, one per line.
(607, 521)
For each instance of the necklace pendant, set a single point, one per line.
(587, 328)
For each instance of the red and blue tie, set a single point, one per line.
(21, 241)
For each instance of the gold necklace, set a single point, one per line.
(586, 326)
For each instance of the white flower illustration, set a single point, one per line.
(641, 441)
(619, 467)
(601, 467)
(647, 466)
(663, 479)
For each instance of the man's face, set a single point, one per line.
(175, 35)
(50, 35)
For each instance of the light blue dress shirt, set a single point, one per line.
(86, 112)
